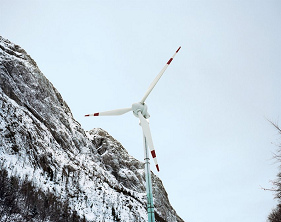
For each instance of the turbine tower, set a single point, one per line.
(140, 111)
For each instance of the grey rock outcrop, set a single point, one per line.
(53, 165)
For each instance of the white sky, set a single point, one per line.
(208, 112)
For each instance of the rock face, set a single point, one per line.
(50, 168)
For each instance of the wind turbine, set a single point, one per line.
(140, 110)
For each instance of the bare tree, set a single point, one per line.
(275, 215)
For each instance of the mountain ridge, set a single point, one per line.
(90, 175)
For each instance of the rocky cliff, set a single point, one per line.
(50, 168)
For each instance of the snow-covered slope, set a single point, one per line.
(49, 165)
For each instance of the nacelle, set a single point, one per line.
(140, 107)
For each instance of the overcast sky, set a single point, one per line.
(208, 112)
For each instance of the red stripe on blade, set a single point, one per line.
(157, 167)
(153, 153)
(171, 59)
(87, 115)
(96, 114)
(178, 49)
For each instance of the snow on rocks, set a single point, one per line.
(41, 142)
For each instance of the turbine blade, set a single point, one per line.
(147, 134)
(152, 85)
(115, 112)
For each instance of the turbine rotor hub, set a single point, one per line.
(140, 107)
